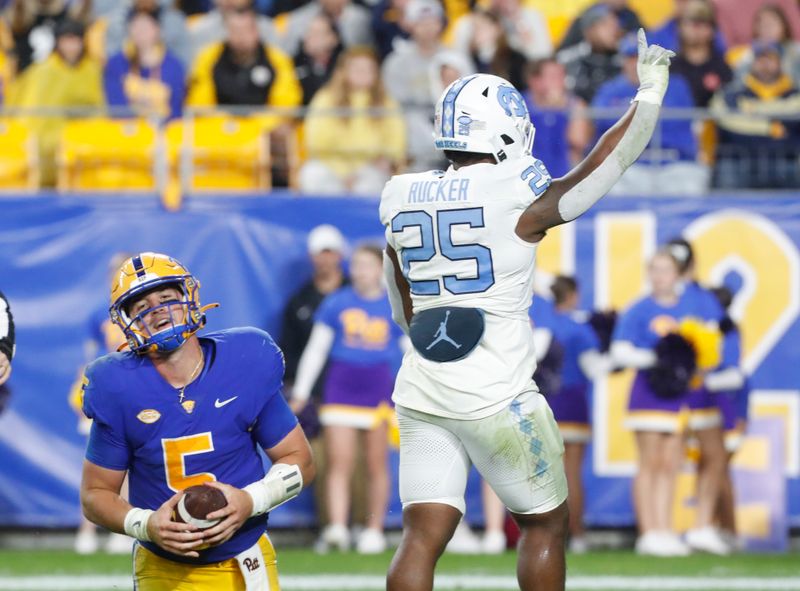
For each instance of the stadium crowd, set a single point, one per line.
(371, 70)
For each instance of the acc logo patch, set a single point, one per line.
(149, 415)
(188, 406)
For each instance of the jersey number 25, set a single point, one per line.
(442, 243)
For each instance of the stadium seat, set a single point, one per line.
(219, 153)
(101, 154)
(19, 168)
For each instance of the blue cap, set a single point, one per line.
(762, 47)
(594, 14)
(629, 46)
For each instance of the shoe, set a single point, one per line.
(494, 542)
(661, 543)
(119, 544)
(707, 539)
(333, 537)
(464, 541)
(578, 545)
(734, 542)
(86, 542)
(371, 541)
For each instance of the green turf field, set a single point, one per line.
(304, 570)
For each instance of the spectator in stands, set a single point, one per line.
(145, 76)
(326, 249)
(172, 23)
(352, 20)
(356, 150)
(525, 28)
(596, 60)
(668, 34)
(445, 68)
(34, 23)
(211, 27)
(7, 342)
(315, 60)
(388, 25)
(354, 332)
(699, 61)
(771, 25)
(490, 51)
(243, 69)
(68, 79)
(560, 138)
(736, 18)
(668, 165)
(628, 21)
(406, 79)
(759, 144)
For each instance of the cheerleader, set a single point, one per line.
(581, 363)
(664, 336)
(354, 332)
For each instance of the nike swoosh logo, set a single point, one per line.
(220, 404)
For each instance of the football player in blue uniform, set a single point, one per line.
(177, 410)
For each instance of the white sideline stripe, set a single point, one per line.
(325, 582)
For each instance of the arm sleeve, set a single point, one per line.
(286, 90)
(597, 183)
(113, 76)
(274, 422)
(7, 337)
(313, 360)
(626, 354)
(107, 445)
(201, 91)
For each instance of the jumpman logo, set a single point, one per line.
(441, 334)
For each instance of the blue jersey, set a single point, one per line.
(364, 331)
(576, 338)
(646, 321)
(711, 309)
(233, 407)
(543, 313)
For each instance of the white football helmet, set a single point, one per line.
(484, 114)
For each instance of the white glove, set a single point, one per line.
(653, 71)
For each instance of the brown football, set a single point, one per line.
(196, 503)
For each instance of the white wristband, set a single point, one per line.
(136, 523)
(282, 483)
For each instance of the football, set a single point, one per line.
(196, 503)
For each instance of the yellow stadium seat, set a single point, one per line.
(100, 154)
(19, 167)
(219, 153)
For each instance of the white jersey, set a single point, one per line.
(454, 234)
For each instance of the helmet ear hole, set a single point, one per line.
(507, 140)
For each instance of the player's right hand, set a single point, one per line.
(182, 539)
(653, 70)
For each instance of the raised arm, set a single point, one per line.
(573, 194)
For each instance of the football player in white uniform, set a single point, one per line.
(459, 263)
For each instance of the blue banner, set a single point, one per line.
(249, 254)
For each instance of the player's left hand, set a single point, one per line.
(233, 515)
(653, 70)
(5, 368)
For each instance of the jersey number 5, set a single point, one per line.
(175, 452)
(428, 247)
